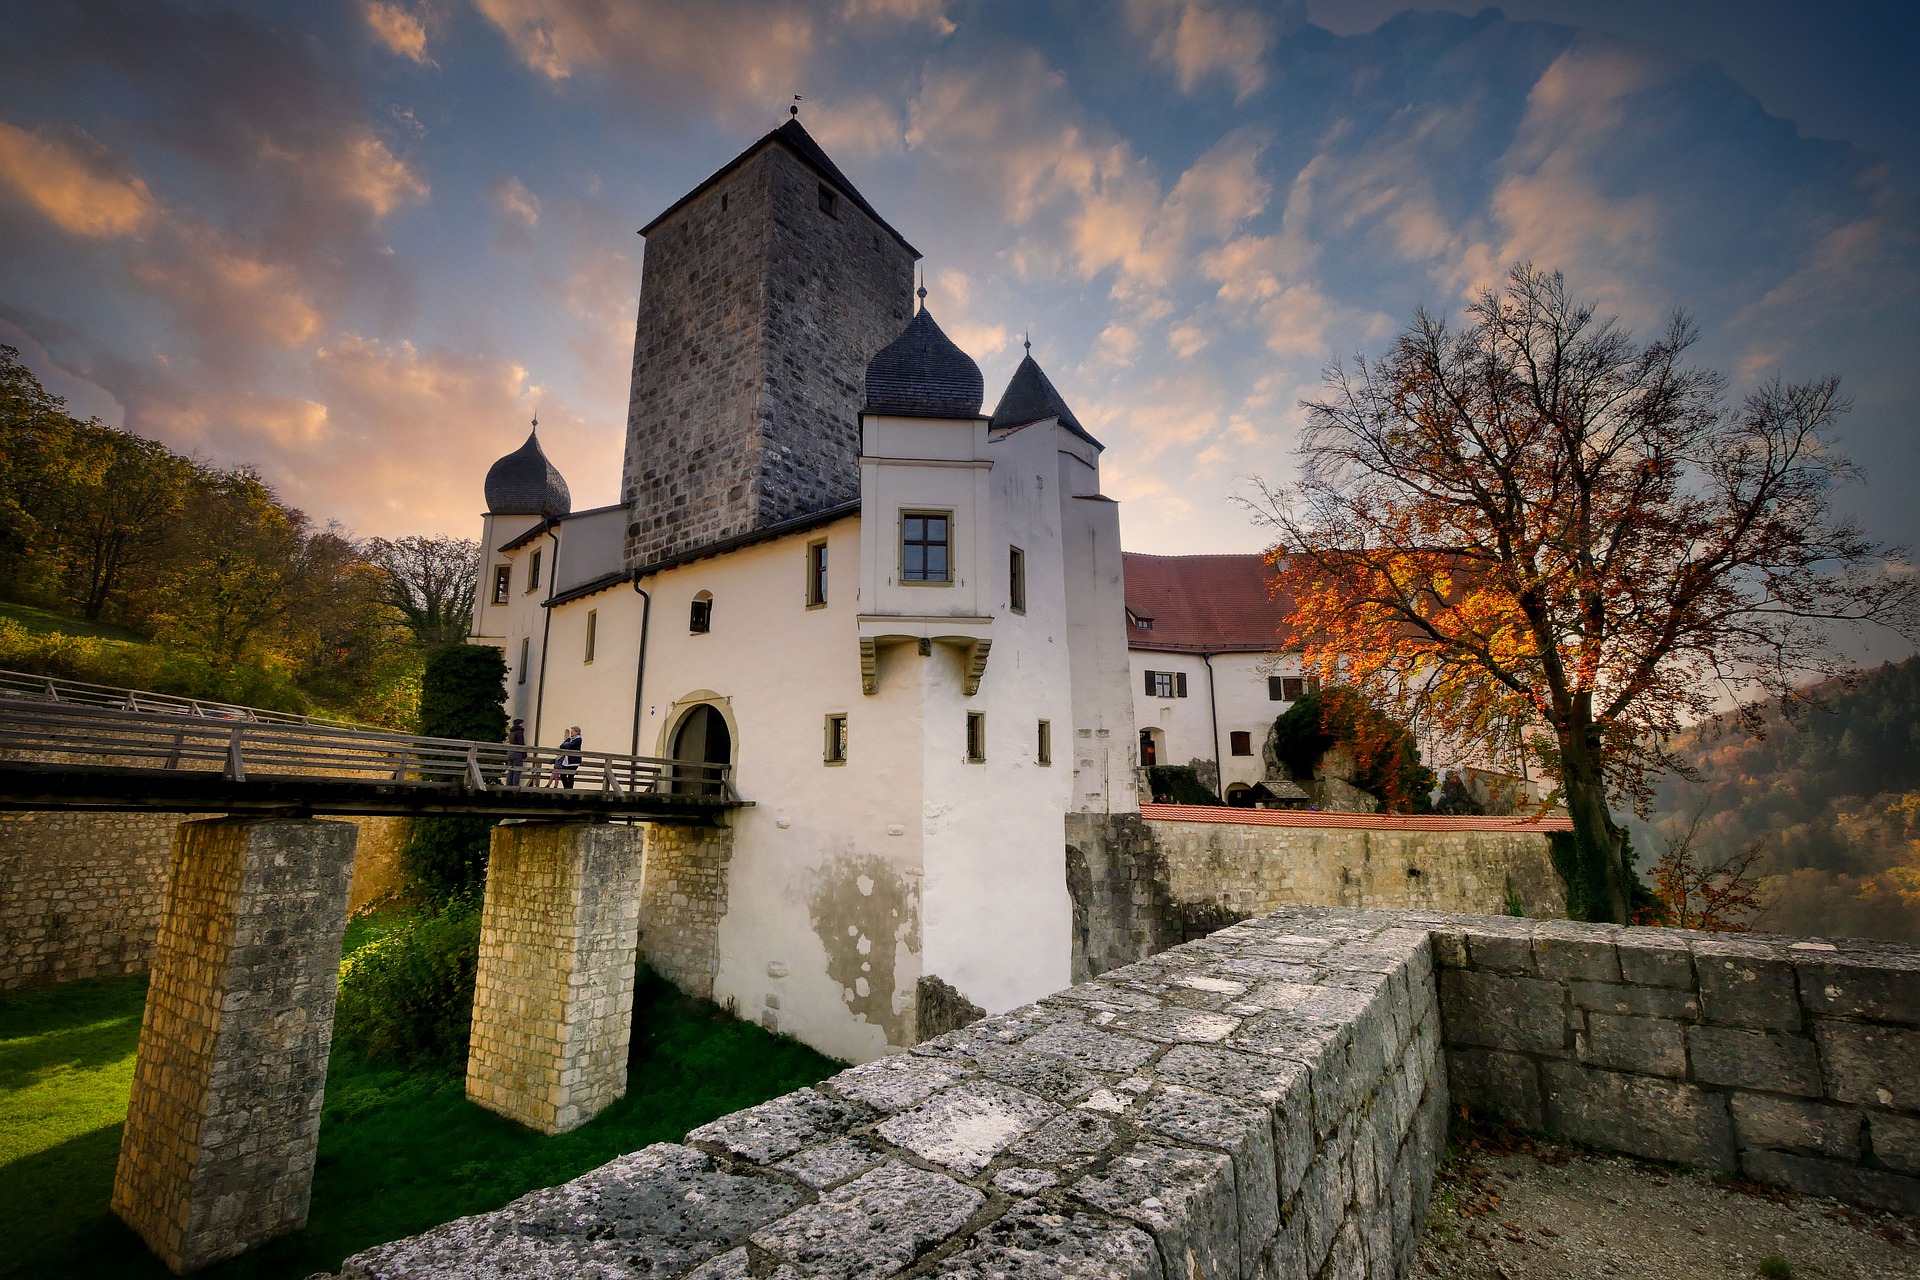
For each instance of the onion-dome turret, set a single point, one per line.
(922, 374)
(524, 483)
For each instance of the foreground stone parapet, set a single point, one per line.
(224, 1119)
(1266, 1102)
(553, 993)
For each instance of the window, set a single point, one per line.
(923, 546)
(700, 617)
(502, 582)
(533, 572)
(828, 201)
(976, 737)
(1016, 579)
(836, 750)
(1242, 743)
(1142, 624)
(593, 628)
(525, 644)
(1166, 684)
(1044, 753)
(816, 574)
(1286, 688)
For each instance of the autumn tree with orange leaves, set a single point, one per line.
(1531, 535)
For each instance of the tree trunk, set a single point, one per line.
(1599, 843)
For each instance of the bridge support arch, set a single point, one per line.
(553, 994)
(224, 1120)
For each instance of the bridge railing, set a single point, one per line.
(46, 730)
(79, 693)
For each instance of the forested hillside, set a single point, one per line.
(1832, 791)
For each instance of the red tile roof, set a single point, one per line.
(1203, 604)
(1361, 821)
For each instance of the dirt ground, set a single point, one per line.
(1508, 1208)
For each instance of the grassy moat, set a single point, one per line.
(400, 1151)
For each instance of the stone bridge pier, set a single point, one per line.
(224, 1120)
(553, 995)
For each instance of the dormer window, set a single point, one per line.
(1142, 622)
(700, 617)
(829, 201)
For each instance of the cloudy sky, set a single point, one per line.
(359, 244)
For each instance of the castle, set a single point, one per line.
(903, 621)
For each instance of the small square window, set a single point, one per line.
(829, 202)
(700, 616)
(976, 737)
(502, 582)
(1159, 684)
(533, 572)
(1016, 579)
(1044, 751)
(1286, 688)
(593, 629)
(836, 746)
(1242, 743)
(924, 546)
(816, 574)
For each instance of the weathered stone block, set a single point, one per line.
(1637, 1002)
(1094, 1050)
(1639, 1115)
(1654, 957)
(1500, 1086)
(1881, 987)
(1850, 1182)
(876, 1225)
(1185, 1198)
(965, 1127)
(1651, 1046)
(1874, 1065)
(1244, 1133)
(1896, 1141)
(897, 1081)
(1035, 1242)
(1746, 985)
(658, 1211)
(1815, 1128)
(775, 1130)
(553, 990)
(1499, 945)
(1500, 1012)
(1754, 1060)
(1569, 950)
(831, 1163)
(1036, 1073)
(1067, 1143)
(223, 1122)
(1174, 1025)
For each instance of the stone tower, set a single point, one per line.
(766, 290)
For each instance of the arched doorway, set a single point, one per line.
(703, 736)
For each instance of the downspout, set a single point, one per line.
(546, 631)
(1213, 712)
(640, 670)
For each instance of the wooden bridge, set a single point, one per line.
(65, 744)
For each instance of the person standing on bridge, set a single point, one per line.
(516, 737)
(569, 761)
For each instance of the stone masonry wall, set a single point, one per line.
(1265, 1103)
(755, 326)
(1789, 1061)
(553, 990)
(1141, 885)
(683, 894)
(224, 1119)
(81, 894)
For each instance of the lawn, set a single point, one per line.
(399, 1151)
(46, 622)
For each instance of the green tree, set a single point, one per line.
(463, 694)
(1386, 760)
(430, 582)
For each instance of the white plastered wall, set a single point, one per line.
(1239, 699)
(1104, 744)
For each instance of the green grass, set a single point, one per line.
(399, 1151)
(46, 622)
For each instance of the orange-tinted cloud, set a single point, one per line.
(400, 31)
(73, 182)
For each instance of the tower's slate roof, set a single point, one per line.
(921, 374)
(798, 141)
(524, 483)
(1030, 397)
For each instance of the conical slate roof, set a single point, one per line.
(524, 483)
(921, 374)
(1030, 397)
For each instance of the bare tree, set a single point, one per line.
(1534, 532)
(431, 582)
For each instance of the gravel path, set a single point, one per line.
(1510, 1209)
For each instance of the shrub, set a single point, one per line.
(151, 667)
(1386, 761)
(407, 997)
(446, 860)
(463, 694)
(1179, 784)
